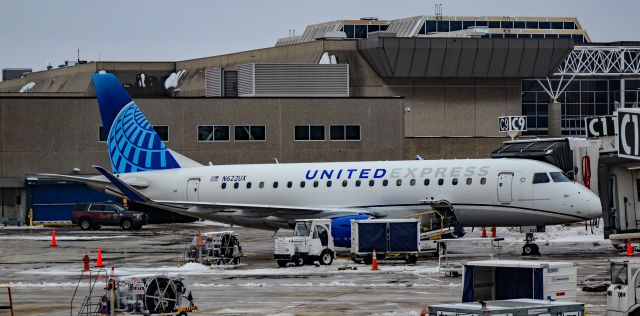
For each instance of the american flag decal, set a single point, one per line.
(214, 178)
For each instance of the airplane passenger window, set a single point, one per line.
(440, 181)
(248, 185)
(483, 180)
(559, 177)
(289, 184)
(399, 182)
(328, 183)
(412, 182)
(358, 182)
(275, 185)
(224, 185)
(302, 184)
(315, 184)
(426, 182)
(261, 185)
(371, 183)
(469, 181)
(344, 183)
(540, 177)
(385, 183)
(454, 181)
(236, 185)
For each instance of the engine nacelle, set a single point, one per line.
(341, 229)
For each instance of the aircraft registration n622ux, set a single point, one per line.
(477, 192)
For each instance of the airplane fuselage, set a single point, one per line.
(483, 192)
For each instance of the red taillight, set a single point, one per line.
(560, 293)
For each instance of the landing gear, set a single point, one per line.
(529, 248)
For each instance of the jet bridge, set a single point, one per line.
(577, 157)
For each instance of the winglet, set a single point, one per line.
(131, 193)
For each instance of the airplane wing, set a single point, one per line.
(193, 208)
(97, 181)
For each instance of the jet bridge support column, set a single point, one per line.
(555, 119)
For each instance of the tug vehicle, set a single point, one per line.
(311, 241)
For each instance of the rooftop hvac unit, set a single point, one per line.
(293, 80)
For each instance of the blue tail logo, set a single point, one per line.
(132, 142)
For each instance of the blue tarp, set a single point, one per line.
(403, 236)
(538, 284)
(372, 236)
(467, 290)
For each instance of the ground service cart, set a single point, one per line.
(515, 307)
(311, 241)
(390, 238)
(490, 280)
(216, 248)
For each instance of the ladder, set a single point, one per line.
(9, 306)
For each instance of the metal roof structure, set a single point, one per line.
(396, 57)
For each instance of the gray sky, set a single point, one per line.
(34, 32)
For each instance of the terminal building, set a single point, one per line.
(366, 89)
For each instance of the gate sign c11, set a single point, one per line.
(512, 123)
(628, 140)
(599, 126)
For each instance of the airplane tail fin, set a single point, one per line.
(132, 143)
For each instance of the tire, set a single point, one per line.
(326, 257)
(282, 263)
(298, 261)
(126, 224)
(85, 224)
(528, 250)
(411, 259)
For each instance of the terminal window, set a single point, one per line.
(250, 133)
(345, 132)
(213, 133)
(309, 132)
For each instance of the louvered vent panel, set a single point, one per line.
(298, 80)
(213, 82)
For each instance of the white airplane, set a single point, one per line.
(478, 192)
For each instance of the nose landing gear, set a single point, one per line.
(530, 248)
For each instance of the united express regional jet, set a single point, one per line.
(479, 192)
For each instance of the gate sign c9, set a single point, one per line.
(628, 133)
(512, 123)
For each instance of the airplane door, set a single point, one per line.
(193, 187)
(504, 187)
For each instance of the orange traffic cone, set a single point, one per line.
(99, 263)
(484, 232)
(629, 248)
(493, 232)
(200, 241)
(54, 243)
(374, 261)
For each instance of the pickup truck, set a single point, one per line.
(94, 215)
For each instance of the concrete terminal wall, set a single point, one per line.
(55, 135)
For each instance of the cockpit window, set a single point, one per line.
(559, 177)
(540, 177)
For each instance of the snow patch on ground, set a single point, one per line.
(27, 87)
(51, 284)
(198, 269)
(209, 223)
(23, 227)
(102, 71)
(557, 233)
(59, 238)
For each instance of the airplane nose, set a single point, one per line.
(591, 204)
